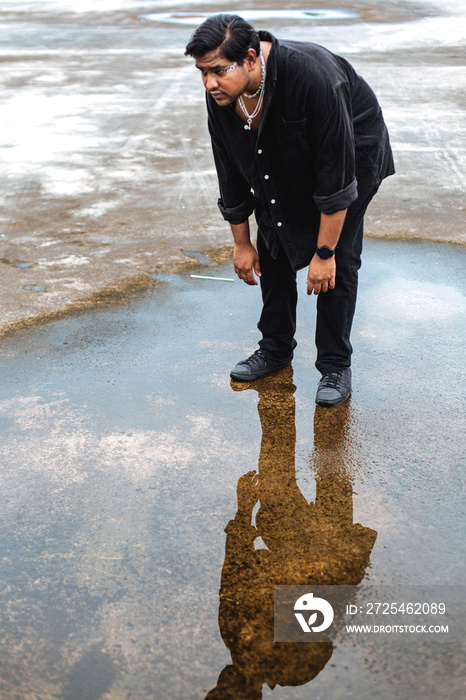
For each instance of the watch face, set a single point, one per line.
(324, 252)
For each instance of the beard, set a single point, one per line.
(224, 100)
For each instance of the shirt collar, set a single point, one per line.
(264, 35)
(271, 77)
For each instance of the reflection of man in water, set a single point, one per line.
(306, 543)
(299, 138)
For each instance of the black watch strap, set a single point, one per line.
(324, 252)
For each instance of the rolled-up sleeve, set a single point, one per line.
(238, 214)
(339, 200)
(237, 201)
(333, 145)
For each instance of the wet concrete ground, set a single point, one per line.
(124, 444)
(105, 169)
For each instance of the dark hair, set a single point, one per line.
(231, 33)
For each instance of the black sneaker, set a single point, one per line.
(334, 388)
(256, 366)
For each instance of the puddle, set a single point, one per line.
(211, 277)
(200, 257)
(91, 676)
(35, 287)
(179, 280)
(151, 505)
(17, 263)
(316, 13)
(170, 277)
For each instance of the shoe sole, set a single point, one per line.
(256, 375)
(337, 402)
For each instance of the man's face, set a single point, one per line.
(222, 79)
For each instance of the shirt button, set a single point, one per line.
(279, 223)
(259, 151)
(266, 177)
(273, 201)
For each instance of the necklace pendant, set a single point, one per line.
(247, 127)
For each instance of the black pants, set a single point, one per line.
(335, 308)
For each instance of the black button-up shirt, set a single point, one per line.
(322, 146)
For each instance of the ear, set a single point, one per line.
(250, 59)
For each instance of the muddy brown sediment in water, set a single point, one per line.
(120, 292)
(125, 290)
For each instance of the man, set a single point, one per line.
(299, 138)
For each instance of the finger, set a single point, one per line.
(324, 286)
(257, 269)
(331, 284)
(249, 278)
(244, 276)
(317, 288)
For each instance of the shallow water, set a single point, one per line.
(124, 445)
(252, 16)
(123, 441)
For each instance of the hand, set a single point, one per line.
(321, 275)
(246, 262)
(246, 491)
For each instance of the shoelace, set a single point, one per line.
(332, 380)
(256, 360)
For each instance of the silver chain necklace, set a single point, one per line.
(260, 91)
(262, 79)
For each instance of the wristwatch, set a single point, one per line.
(324, 252)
